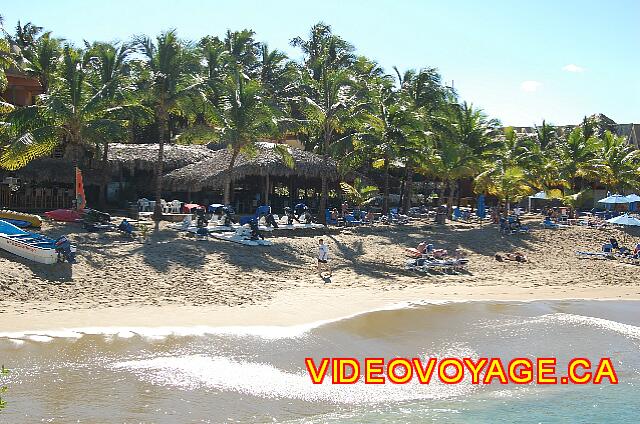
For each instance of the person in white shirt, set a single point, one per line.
(323, 258)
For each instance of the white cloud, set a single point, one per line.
(572, 68)
(530, 86)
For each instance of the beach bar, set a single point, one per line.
(263, 176)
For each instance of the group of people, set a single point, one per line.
(357, 213)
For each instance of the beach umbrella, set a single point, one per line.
(633, 199)
(614, 199)
(625, 220)
(481, 209)
(540, 195)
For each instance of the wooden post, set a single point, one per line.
(266, 190)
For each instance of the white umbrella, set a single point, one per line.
(632, 198)
(615, 199)
(539, 195)
(626, 220)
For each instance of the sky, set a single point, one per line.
(521, 62)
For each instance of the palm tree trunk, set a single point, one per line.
(408, 189)
(385, 199)
(227, 179)
(450, 200)
(104, 178)
(162, 126)
(322, 216)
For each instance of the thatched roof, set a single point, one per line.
(130, 156)
(47, 169)
(144, 156)
(211, 173)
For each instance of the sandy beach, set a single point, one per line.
(174, 280)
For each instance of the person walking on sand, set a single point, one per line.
(323, 258)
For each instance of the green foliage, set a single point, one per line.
(3, 389)
(358, 193)
(235, 90)
(88, 105)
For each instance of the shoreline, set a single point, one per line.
(297, 307)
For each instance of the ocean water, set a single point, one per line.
(257, 374)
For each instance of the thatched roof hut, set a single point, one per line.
(131, 157)
(211, 172)
(47, 169)
(144, 156)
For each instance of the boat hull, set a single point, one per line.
(32, 246)
(31, 220)
(28, 251)
(64, 215)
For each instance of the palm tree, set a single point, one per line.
(619, 163)
(167, 77)
(462, 143)
(546, 135)
(6, 60)
(450, 161)
(505, 176)
(109, 74)
(390, 132)
(506, 183)
(358, 193)
(243, 117)
(74, 114)
(40, 54)
(424, 97)
(328, 99)
(577, 158)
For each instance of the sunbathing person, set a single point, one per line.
(426, 249)
(616, 246)
(290, 216)
(298, 210)
(228, 216)
(516, 256)
(370, 217)
(126, 227)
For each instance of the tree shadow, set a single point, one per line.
(60, 272)
(277, 257)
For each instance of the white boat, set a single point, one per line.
(32, 246)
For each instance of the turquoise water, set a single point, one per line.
(258, 375)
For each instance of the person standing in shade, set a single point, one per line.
(323, 258)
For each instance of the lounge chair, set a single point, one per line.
(351, 220)
(607, 252)
(430, 264)
(329, 220)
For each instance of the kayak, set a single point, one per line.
(18, 218)
(65, 215)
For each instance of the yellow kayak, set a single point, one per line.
(19, 217)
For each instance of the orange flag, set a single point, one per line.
(81, 200)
